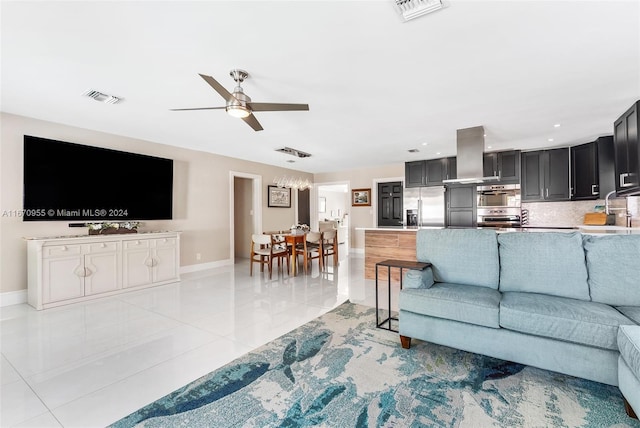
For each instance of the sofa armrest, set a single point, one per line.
(418, 278)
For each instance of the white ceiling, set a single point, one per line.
(376, 86)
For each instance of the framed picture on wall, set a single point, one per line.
(322, 204)
(361, 197)
(278, 197)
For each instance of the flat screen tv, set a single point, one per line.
(67, 181)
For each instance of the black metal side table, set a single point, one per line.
(401, 264)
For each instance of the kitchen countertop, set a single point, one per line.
(590, 230)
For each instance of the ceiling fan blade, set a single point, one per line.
(276, 106)
(253, 122)
(197, 108)
(218, 87)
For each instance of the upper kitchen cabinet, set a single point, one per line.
(429, 172)
(545, 175)
(627, 152)
(592, 169)
(415, 174)
(505, 165)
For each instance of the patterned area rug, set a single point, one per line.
(339, 371)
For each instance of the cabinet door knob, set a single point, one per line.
(64, 248)
(104, 245)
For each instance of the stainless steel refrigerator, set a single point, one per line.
(423, 206)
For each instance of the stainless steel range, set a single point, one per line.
(498, 205)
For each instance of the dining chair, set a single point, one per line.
(310, 249)
(330, 246)
(266, 248)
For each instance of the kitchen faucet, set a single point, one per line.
(608, 209)
(606, 202)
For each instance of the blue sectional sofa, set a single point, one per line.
(545, 299)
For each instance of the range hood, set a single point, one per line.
(470, 149)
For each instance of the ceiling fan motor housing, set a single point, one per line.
(238, 75)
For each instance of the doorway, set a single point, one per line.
(245, 212)
(332, 204)
(304, 207)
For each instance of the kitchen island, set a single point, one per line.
(399, 243)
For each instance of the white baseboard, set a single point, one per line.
(13, 298)
(205, 266)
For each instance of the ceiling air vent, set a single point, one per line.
(294, 152)
(411, 9)
(413, 150)
(103, 98)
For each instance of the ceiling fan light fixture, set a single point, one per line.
(238, 111)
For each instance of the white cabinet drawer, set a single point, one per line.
(61, 250)
(138, 243)
(165, 242)
(103, 247)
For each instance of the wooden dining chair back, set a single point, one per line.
(330, 246)
(310, 249)
(280, 249)
(266, 248)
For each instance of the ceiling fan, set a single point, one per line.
(239, 104)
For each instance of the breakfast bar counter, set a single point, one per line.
(399, 242)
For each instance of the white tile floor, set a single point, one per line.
(90, 364)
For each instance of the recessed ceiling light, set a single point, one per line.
(557, 125)
(424, 144)
(489, 147)
(437, 153)
(550, 140)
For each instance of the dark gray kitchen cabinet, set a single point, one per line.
(429, 172)
(436, 171)
(545, 175)
(452, 168)
(461, 206)
(415, 174)
(592, 169)
(627, 151)
(505, 165)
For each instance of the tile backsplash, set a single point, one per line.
(571, 213)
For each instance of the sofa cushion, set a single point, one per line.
(614, 268)
(631, 312)
(571, 320)
(629, 345)
(460, 256)
(543, 262)
(465, 303)
(418, 278)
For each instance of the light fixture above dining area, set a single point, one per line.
(297, 183)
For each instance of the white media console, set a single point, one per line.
(70, 269)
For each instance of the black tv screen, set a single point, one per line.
(66, 181)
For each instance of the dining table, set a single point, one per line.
(292, 239)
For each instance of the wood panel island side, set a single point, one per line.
(383, 244)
